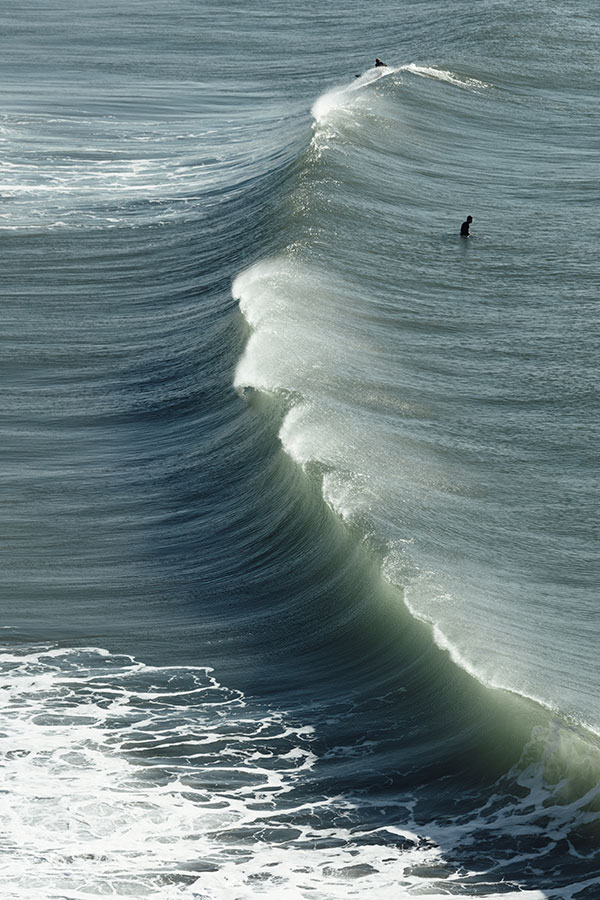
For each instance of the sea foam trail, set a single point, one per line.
(135, 780)
(444, 75)
(124, 778)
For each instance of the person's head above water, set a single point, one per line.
(379, 63)
(469, 219)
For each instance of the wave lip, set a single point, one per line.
(444, 75)
(328, 314)
(346, 95)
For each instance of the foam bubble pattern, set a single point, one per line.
(126, 780)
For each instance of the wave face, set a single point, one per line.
(440, 384)
(299, 486)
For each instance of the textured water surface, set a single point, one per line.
(300, 489)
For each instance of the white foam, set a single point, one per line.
(493, 680)
(93, 807)
(295, 435)
(344, 96)
(444, 75)
(134, 781)
(455, 655)
(72, 183)
(256, 291)
(286, 353)
(285, 348)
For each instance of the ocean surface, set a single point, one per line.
(299, 582)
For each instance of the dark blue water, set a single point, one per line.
(299, 542)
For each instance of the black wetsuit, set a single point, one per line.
(464, 229)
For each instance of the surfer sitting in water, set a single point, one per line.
(464, 228)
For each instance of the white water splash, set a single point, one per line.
(130, 781)
(344, 96)
(444, 75)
